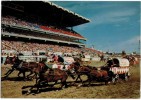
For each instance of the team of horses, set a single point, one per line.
(43, 74)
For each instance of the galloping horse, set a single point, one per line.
(22, 67)
(94, 74)
(47, 75)
(98, 75)
(84, 70)
(81, 70)
(15, 63)
(107, 66)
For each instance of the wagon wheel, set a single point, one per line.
(127, 75)
(115, 79)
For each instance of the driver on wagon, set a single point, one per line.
(60, 59)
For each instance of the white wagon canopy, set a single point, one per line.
(121, 66)
(121, 62)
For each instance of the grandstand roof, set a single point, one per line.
(49, 11)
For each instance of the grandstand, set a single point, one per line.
(38, 19)
(40, 25)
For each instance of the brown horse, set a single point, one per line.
(14, 61)
(98, 75)
(80, 70)
(22, 67)
(131, 59)
(84, 70)
(27, 67)
(50, 75)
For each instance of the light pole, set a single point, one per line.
(92, 46)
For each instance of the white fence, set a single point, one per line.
(32, 58)
(26, 58)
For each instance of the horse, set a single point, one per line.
(80, 70)
(131, 60)
(112, 77)
(27, 67)
(15, 63)
(103, 74)
(50, 75)
(99, 76)
(84, 70)
(22, 67)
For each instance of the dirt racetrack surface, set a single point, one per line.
(13, 88)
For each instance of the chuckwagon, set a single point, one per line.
(120, 68)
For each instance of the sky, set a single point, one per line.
(114, 25)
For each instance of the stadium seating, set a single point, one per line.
(13, 21)
(27, 46)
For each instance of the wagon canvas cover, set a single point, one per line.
(122, 62)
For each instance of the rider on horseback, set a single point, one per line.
(17, 62)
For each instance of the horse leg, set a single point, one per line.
(90, 79)
(71, 74)
(19, 73)
(106, 80)
(38, 86)
(28, 76)
(78, 77)
(23, 72)
(36, 77)
(73, 77)
(9, 72)
(63, 84)
(24, 77)
(80, 80)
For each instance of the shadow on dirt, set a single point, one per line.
(14, 79)
(34, 92)
(32, 89)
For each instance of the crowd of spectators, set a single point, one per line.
(27, 46)
(10, 20)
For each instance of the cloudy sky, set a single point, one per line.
(114, 26)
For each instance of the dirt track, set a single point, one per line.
(12, 88)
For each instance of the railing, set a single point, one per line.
(27, 58)
(39, 38)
